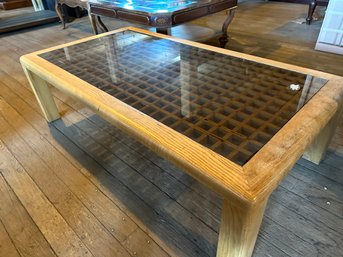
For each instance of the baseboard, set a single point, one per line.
(329, 48)
(14, 4)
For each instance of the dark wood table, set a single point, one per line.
(83, 4)
(161, 14)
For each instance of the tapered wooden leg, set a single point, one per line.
(317, 150)
(239, 229)
(43, 95)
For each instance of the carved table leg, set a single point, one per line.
(312, 6)
(165, 31)
(58, 8)
(43, 95)
(102, 24)
(317, 150)
(239, 228)
(224, 38)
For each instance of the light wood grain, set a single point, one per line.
(238, 229)
(317, 150)
(33, 200)
(284, 231)
(245, 189)
(7, 247)
(43, 95)
(142, 245)
(24, 235)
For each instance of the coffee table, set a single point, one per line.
(235, 122)
(161, 14)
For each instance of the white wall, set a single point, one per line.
(330, 38)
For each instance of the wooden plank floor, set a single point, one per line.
(80, 187)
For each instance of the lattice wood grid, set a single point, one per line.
(230, 105)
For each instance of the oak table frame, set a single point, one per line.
(245, 188)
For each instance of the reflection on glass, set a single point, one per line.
(230, 105)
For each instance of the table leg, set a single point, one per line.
(224, 38)
(102, 24)
(93, 22)
(317, 150)
(43, 95)
(165, 31)
(311, 8)
(58, 8)
(239, 228)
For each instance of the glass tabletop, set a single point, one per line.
(151, 6)
(230, 105)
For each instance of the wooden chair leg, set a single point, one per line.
(224, 38)
(58, 8)
(102, 24)
(311, 8)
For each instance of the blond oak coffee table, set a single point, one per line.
(235, 122)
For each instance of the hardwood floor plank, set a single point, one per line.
(330, 167)
(263, 248)
(326, 244)
(24, 233)
(317, 217)
(34, 201)
(141, 245)
(318, 190)
(92, 233)
(286, 241)
(7, 247)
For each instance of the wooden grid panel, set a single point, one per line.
(230, 105)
